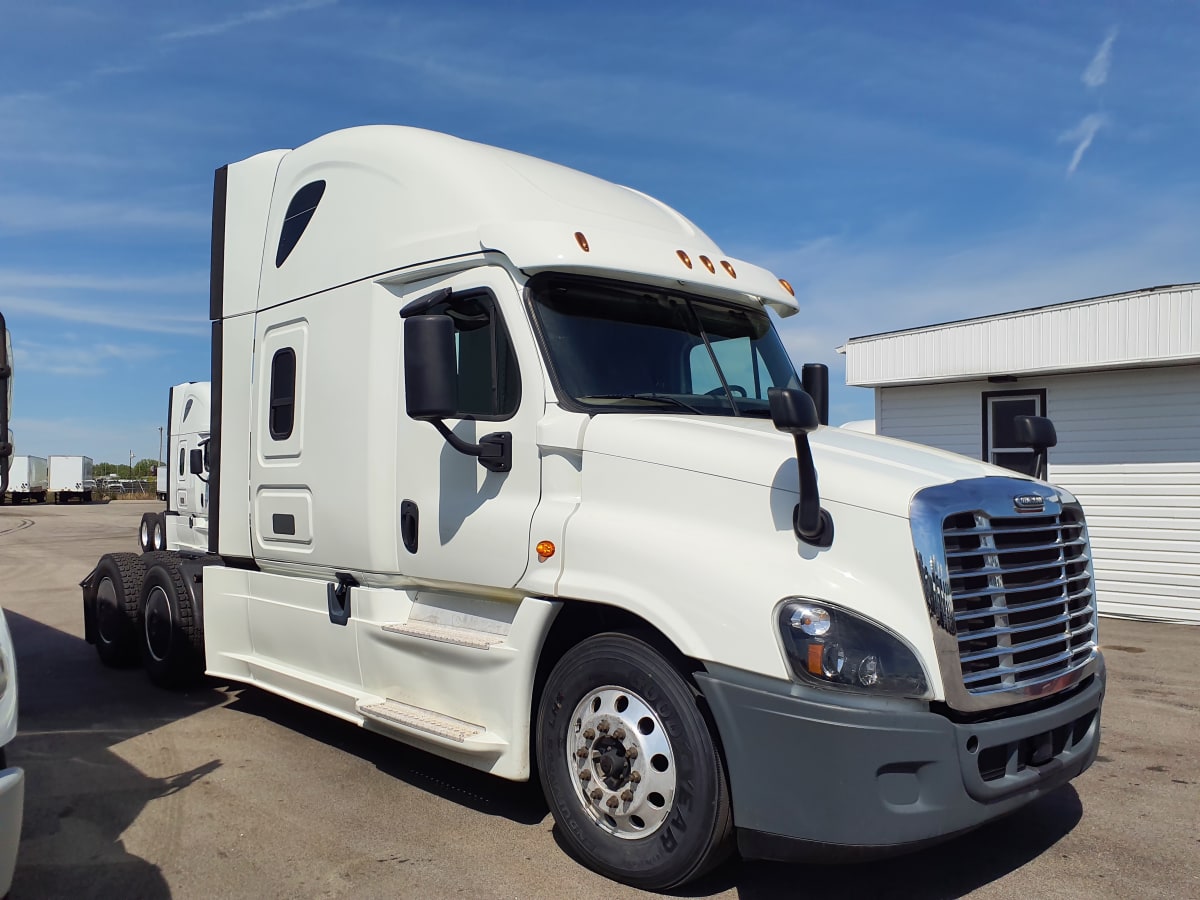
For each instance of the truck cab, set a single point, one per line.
(510, 463)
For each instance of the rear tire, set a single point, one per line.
(170, 631)
(655, 818)
(158, 524)
(146, 532)
(118, 585)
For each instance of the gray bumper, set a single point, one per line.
(811, 779)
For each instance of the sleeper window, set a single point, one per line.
(283, 394)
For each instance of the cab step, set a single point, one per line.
(447, 634)
(395, 714)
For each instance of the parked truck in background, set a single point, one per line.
(509, 463)
(71, 478)
(183, 479)
(28, 479)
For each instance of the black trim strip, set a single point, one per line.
(216, 276)
(214, 439)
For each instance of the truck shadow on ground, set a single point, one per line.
(519, 802)
(80, 794)
(947, 870)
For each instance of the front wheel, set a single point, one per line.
(629, 767)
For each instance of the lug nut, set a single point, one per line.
(597, 793)
(589, 734)
(631, 753)
(585, 775)
(603, 726)
(612, 802)
(635, 777)
(627, 795)
(582, 752)
(619, 734)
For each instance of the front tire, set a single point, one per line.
(629, 766)
(146, 532)
(118, 585)
(172, 637)
(158, 524)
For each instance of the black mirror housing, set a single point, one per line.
(1034, 431)
(430, 368)
(196, 461)
(792, 410)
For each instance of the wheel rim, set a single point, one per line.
(621, 762)
(158, 624)
(144, 536)
(109, 616)
(159, 543)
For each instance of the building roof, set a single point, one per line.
(1154, 326)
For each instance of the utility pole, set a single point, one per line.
(158, 459)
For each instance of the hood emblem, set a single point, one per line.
(1024, 503)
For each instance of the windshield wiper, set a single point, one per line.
(661, 398)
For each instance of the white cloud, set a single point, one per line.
(265, 14)
(190, 283)
(26, 213)
(112, 315)
(1096, 72)
(1082, 135)
(86, 360)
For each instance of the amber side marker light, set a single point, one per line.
(787, 286)
(728, 268)
(582, 242)
(545, 550)
(684, 258)
(708, 264)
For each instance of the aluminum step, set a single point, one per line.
(447, 634)
(414, 718)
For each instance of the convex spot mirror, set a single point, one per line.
(792, 411)
(1034, 431)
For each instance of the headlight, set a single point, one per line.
(839, 649)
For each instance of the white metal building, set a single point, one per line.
(1120, 378)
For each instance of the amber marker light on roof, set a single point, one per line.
(708, 264)
(728, 268)
(545, 550)
(787, 287)
(684, 258)
(582, 242)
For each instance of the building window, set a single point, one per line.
(1000, 408)
(295, 220)
(283, 394)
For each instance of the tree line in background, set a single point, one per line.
(143, 468)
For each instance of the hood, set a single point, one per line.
(861, 470)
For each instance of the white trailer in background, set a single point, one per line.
(509, 463)
(28, 479)
(71, 478)
(183, 478)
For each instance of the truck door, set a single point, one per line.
(460, 522)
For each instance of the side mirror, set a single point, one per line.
(430, 368)
(794, 413)
(431, 388)
(1036, 432)
(196, 461)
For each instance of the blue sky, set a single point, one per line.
(899, 163)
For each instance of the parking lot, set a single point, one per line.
(227, 791)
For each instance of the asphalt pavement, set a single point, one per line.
(228, 791)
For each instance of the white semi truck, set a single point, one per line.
(183, 480)
(71, 478)
(28, 479)
(509, 463)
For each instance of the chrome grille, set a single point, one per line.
(1022, 598)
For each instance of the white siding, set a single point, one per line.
(1145, 327)
(1128, 447)
(940, 415)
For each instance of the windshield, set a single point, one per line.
(621, 348)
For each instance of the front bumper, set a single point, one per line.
(815, 780)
